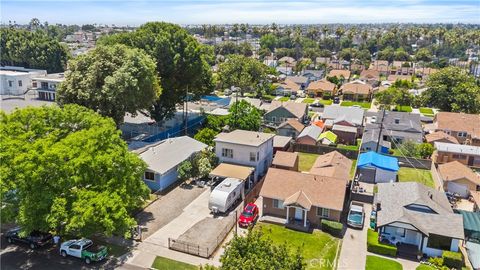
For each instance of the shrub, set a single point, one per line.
(452, 259)
(268, 98)
(436, 261)
(380, 248)
(332, 227)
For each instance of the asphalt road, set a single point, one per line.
(20, 256)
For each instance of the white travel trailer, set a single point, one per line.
(224, 196)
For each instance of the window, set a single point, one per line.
(462, 134)
(10, 83)
(252, 156)
(258, 155)
(457, 156)
(323, 212)
(401, 232)
(75, 247)
(150, 176)
(439, 242)
(44, 85)
(20, 83)
(278, 204)
(227, 152)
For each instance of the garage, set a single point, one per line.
(458, 188)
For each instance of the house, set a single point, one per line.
(458, 178)
(332, 164)
(309, 135)
(287, 88)
(162, 159)
(466, 154)
(380, 66)
(281, 143)
(321, 88)
(357, 91)
(285, 160)
(287, 60)
(340, 115)
(327, 138)
(313, 75)
(412, 215)
(17, 80)
(280, 112)
(394, 78)
(346, 134)
(370, 76)
(440, 136)
(285, 70)
(398, 127)
(47, 85)
(302, 199)
(247, 148)
(290, 128)
(370, 140)
(340, 73)
(301, 81)
(464, 127)
(377, 168)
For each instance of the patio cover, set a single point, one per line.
(471, 224)
(225, 170)
(377, 160)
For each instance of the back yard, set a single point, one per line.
(305, 161)
(416, 175)
(318, 248)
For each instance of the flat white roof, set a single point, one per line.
(457, 148)
(13, 73)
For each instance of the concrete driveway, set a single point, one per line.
(353, 254)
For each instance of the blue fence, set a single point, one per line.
(176, 131)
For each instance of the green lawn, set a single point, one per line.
(365, 105)
(403, 108)
(426, 111)
(326, 101)
(167, 264)
(305, 161)
(379, 263)
(308, 100)
(416, 175)
(284, 99)
(352, 169)
(425, 267)
(348, 147)
(318, 248)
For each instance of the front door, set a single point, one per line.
(470, 160)
(298, 214)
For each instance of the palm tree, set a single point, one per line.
(325, 31)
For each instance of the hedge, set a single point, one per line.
(332, 227)
(452, 259)
(379, 248)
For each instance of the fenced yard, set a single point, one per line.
(416, 175)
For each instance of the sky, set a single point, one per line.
(137, 12)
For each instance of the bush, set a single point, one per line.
(332, 227)
(452, 259)
(436, 261)
(268, 98)
(379, 248)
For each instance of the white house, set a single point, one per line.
(163, 158)
(17, 80)
(247, 148)
(47, 85)
(417, 218)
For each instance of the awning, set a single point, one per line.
(224, 170)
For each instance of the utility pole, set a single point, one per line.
(381, 129)
(186, 111)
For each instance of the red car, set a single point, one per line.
(248, 216)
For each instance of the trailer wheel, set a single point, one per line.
(88, 260)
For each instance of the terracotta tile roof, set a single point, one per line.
(458, 122)
(297, 109)
(332, 164)
(455, 170)
(356, 88)
(321, 85)
(393, 78)
(370, 74)
(285, 159)
(339, 72)
(289, 84)
(322, 191)
(287, 59)
(440, 135)
(294, 123)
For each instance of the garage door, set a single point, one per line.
(462, 190)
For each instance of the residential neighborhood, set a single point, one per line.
(137, 142)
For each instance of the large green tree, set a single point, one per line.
(67, 169)
(32, 50)
(452, 89)
(179, 60)
(243, 72)
(257, 252)
(111, 80)
(244, 115)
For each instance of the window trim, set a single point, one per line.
(145, 176)
(252, 154)
(278, 204)
(322, 212)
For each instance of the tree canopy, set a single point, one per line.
(179, 61)
(243, 72)
(257, 252)
(112, 81)
(67, 169)
(32, 50)
(452, 89)
(244, 115)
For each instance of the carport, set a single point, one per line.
(225, 170)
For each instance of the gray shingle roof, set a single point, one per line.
(312, 131)
(397, 205)
(350, 114)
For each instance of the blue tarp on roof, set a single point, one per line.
(377, 160)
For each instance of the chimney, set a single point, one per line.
(379, 205)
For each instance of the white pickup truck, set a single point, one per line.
(84, 249)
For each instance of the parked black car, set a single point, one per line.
(336, 100)
(34, 239)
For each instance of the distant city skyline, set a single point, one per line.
(137, 12)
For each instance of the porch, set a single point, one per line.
(297, 225)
